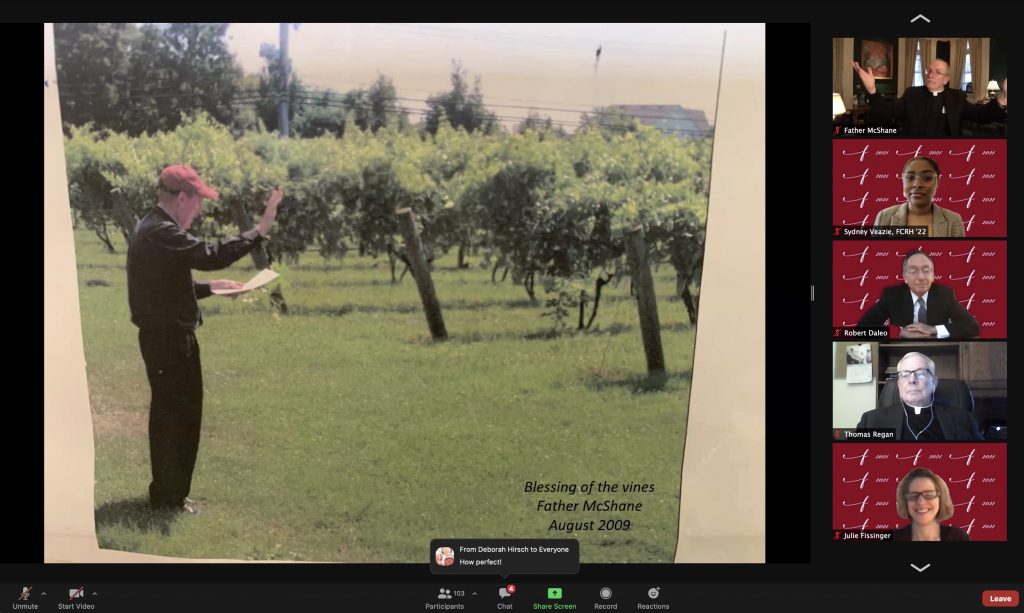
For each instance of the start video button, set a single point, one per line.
(1000, 598)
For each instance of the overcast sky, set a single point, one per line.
(551, 67)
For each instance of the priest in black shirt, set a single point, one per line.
(916, 416)
(933, 110)
(162, 297)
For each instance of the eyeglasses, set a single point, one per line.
(929, 72)
(920, 374)
(913, 272)
(926, 177)
(929, 495)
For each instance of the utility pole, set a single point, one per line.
(282, 109)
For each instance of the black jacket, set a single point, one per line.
(161, 256)
(910, 111)
(896, 306)
(955, 424)
(946, 533)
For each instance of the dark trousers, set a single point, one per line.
(175, 413)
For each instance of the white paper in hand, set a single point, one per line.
(262, 278)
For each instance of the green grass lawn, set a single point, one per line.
(342, 433)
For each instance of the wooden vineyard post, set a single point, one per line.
(643, 283)
(420, 272)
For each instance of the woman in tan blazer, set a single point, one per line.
(920, 182)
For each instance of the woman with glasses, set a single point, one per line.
(923, 498)
(920, 181)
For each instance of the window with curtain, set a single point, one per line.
(918, 71)
(967, 69)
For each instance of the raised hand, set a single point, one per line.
(867, 77)
(270, 213)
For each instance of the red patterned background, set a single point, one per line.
(865, 477)
(976, 270)
(866, 179)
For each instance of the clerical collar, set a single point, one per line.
(917, 410)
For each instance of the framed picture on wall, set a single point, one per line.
(877, 56)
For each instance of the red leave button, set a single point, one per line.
(1000, 598)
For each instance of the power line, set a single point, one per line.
(317, 102)
(430, 91)
(329, 94)
(423, 113)
(337, 100)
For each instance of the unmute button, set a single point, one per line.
(1000, 598)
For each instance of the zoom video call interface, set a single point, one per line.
(472, 314)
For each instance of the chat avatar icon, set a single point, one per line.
(444, 556)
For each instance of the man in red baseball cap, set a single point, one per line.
(178, 177)
(163, 299)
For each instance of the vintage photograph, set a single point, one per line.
(485, 246)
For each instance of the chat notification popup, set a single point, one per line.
(504, 556)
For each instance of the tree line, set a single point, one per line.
(540, 204)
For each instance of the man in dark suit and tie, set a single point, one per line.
(932, 110)
(921, 308)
